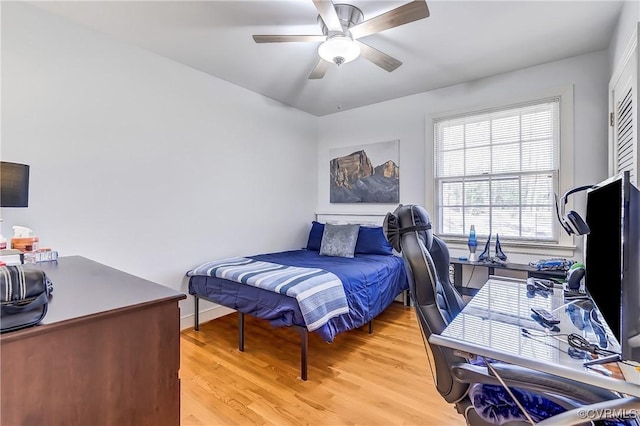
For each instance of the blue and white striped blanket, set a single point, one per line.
(319, 293)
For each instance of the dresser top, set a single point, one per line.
(83, 287)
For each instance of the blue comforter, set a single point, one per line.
(371, 282)
(320, 294)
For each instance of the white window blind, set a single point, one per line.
(498, 170)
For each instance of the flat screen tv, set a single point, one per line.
(612, 260)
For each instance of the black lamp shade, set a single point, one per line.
(14, 185)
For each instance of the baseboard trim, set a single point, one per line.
(205, 315)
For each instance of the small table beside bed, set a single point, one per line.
(334, 285)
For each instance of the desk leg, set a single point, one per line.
(457, 275)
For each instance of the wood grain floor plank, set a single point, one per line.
(360, 379)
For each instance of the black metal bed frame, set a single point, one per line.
(304, 334)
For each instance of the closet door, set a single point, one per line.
(623, 146)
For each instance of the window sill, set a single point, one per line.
(516, 251)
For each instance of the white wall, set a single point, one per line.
(404, 119)
(142, 163)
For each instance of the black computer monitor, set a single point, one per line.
(612, 260)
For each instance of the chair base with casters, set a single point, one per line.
(484, 394)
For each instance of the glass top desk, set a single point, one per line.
(491, 325)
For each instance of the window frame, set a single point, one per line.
(565, 245)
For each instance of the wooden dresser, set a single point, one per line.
(107, 352)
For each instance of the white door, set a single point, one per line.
(623, 146)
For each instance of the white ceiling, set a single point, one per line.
(460, 41)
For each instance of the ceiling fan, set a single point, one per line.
(342, 25)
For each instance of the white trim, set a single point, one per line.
(217, 311)
(566, 159)
(352, 218)
(617, 74)
(529, 249)
(626, 56)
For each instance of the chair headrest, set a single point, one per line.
(391, 229)
(405, 219)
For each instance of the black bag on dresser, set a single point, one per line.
(24, 296)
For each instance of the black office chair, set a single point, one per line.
(473, 389)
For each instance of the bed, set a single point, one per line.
(370, 280)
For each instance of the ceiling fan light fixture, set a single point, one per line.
(339, 49)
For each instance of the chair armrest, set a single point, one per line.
(611, 409)
(534, 381)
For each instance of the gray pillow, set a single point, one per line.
(339, 240)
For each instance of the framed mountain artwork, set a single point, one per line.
(365, 174)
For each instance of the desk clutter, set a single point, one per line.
(25, 249)
(583, 315)
(553, 264)
(499, 258)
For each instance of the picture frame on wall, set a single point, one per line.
(365, 173)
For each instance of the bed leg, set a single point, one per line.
(196, 313)
(371, 327)
(240, 331)
(304, 347)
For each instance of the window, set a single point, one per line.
(498, 170)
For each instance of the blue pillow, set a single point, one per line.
(315, 236)
(371, 240)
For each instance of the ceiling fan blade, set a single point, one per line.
(409, 12)
(287, 38)
(328, 14)
(319, 70)
(379, 58)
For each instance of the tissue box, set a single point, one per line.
(25, 244)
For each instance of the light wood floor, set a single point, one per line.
(359, 379)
